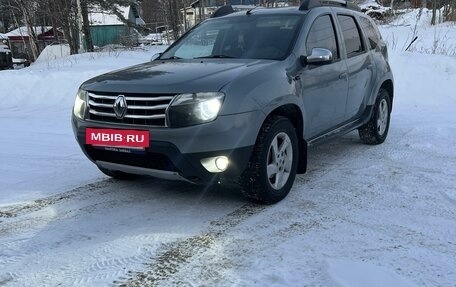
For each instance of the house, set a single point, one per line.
(19, 40)
(107, 29)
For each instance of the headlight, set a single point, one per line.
(79, 108)
(192, 109)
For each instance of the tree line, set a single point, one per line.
(71, 17)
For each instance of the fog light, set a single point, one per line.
(221, 162)
(215, 164)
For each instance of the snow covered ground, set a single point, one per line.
(362, 215)
(439, 39)
(36, 112)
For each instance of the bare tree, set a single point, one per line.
(173, 17)
(65, 13)
(86, 26)
(28, 7)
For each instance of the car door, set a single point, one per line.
(324, 86)
(359, 64)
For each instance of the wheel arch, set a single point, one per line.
(389, 87)
(293, 113)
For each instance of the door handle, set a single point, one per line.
(343, 76)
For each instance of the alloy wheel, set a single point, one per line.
(383, 114)
(279, 161)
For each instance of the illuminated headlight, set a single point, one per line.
(79, 107)
(192, 109)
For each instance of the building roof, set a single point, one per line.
(99, 17)
(23, 31)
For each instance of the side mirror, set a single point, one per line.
(318, 56)
(155, 56)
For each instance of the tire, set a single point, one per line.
(375, 131)
(267, 187)
(118, 174)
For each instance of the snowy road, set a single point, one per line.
(106, 227)
(362, 215)
(395, 219)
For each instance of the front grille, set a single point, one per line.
(145, 160)
(142, 109)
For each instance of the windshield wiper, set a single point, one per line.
(171, 58)
(214, 57)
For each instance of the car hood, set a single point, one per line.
(174, 76)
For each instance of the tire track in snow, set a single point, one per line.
(176, 254)
(38, 204)
(118, 263)
(447, 197)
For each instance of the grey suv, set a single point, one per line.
(239, 98)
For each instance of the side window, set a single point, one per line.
(351, 35)
(370, 32)
(321, 35)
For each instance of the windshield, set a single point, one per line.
(250, 37)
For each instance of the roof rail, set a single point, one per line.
(309, 4)
(222, 11)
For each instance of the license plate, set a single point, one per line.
(137, 139)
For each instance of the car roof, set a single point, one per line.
(293, 10)
(270, 11)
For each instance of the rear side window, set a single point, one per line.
(352, 38)
(321, 35)
(370, 32)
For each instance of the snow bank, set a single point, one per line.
(439, 39)
(412, 17)
(36, 109)
(55, 82)
(424, 81)
(53, 52)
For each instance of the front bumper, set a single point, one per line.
(176, 153)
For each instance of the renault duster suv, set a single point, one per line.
(239, 98)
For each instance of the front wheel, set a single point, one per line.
(376, 130)
(271, 170)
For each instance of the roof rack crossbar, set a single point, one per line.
(222, 11)
(309, 4)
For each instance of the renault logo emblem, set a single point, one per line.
(120, 106)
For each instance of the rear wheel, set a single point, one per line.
(376, 130)
(118, 174)
(271, 170)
